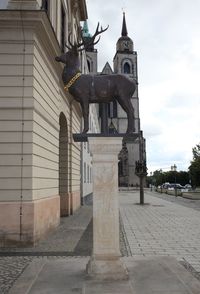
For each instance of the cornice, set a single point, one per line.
(80, 6)
(83, 10)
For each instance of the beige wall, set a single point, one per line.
(31, 100)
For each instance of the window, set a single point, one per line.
(112, 109)
(84, 172)
(62, 40)
(88, 169)
(90, 175)
(88, 63)
(127, 68)
(45, 5)
(3, 4)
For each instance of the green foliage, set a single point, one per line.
(196, 152)
(182, 177)
(160, 177)
(194, 167)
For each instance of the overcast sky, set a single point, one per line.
(166, 36)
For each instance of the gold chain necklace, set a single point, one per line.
(72, 81)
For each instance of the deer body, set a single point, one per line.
(88, 88)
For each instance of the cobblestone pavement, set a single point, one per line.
(161, 228)
(10, 269)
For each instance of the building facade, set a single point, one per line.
(39, 161)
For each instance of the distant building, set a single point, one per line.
(125, 62)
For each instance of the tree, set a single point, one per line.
(196, 152)
(159, 177)
(194, 167)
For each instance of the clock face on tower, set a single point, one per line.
(125, 45)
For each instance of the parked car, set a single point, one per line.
(165, 185)
(188, 186)
(174, 186)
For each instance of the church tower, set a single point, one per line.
(91, 52)
(125, 62)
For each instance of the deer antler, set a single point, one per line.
(97, 32)
(90, 42)
(84, 43)
(75, 46)
(70, 43)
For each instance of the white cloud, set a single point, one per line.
(166, 37)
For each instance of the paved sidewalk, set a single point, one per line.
(149, 232)
(68, 239)
(161, 228)
(156, 275)
(72, 238)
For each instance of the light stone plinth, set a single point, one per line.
(105, 262)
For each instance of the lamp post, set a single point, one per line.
(174, 168)
(141, 168)
(161, 178)
(141, 172)
(151, 174)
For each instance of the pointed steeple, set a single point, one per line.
(124, 43)
(85, 30)
(124, 29)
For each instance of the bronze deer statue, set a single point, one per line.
(87, 88)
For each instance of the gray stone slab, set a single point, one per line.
(52, 276)
(29, 277)
(155, 275)
(117, 287)
(160, 275)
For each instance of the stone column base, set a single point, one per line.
(108, 269)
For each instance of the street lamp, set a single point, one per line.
(140, 167)
(174, 168)
(161, 178)
(151, 174)
(141, 172)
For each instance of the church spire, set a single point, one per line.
(124, 29)
(85, 31)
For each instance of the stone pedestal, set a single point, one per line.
(105, 262)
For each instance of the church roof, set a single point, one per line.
(124, 28)
(107, 69)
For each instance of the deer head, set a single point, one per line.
(69, 58)
(85, 44)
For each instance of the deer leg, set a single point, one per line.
(128, 108)
(85, 112)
